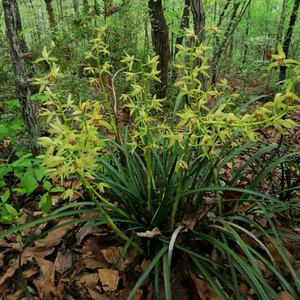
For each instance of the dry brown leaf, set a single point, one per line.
(112, 254)
(189, 222)
(8, 274)
(95, 264)
(77, 268)
(40, 252)
(90, 280)
(15, 296)
(55, 237)
(150, 234)
(125, 293)
(261, 265)
(205, 291)
(244, 289)
(109, 279)
(84, 231)
(285, 296)
(91, 248)
(138, 295)
(95, 295)
(145, 263)
(64, 261)
(30, 272)
(45, 286)
(278, 258)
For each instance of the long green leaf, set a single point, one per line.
(147, 271)
(167, 279)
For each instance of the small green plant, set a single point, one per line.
(22, 177)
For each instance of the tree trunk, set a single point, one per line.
(247, 34)
(223, 13)
(61, 9)
(75, 6)
(85, 6)
(197, 9)
(49, 9)
(183, 24)
(160, 37)
(280, 27)
(12, 22)
(234, 21)
(199, 18)
(288, 37)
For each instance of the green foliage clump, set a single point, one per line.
(161, 171)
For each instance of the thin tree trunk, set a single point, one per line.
(61, 9)
(12, 22)
(223, 13)
(50, 12)
(85, 6)
(215, 11)
(288, 37)
(75, 6)
(234, 21)
(197, 9)
(199, 18)
(247, 33)
(160, 37)
(280, 27)
(183, 24)
(146, 41)
(19, 30)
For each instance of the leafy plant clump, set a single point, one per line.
(160, 184)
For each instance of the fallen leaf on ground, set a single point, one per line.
(150, 234)
(205, 291)
(30, 272)
(8, 274)
(95, 264)
(95, 295)
(91, 248)
(109, 279)
(189, 222)
(45, 286)
(145, 263)
(64, 261)
(55, 237)
(112, 254)
(285, 296)
(88, 279)
(40, 252)
(278, 258)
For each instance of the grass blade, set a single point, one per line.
(147, 271)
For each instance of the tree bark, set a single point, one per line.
(288, 37)
(85, 6)
(234, 21)
(185, 20)
(75, 6)
(197, 9)
(50, 12)
(280, 27)
(13, 24)
(160, 38)
(199, 18)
